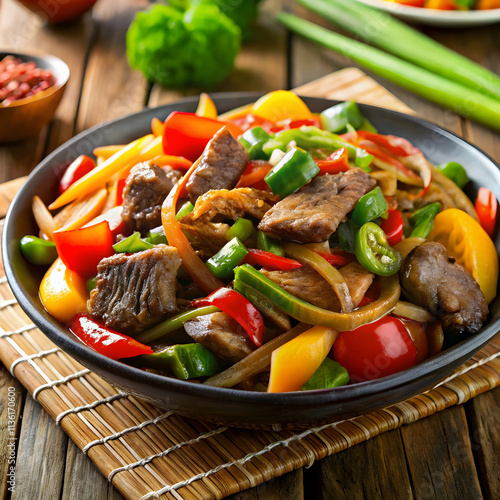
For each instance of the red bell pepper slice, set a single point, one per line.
(83, 248)
(239, 308)
(393, 226)
(249, 120)
(78, 168)
(486, 208)
(254, 172)
(114, 218)
(376, 349)
(396, 146)
(337, 162)
(105, 341)
(270, 260)
(334, 259)
(187, 134)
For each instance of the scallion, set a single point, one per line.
(459, 98)
(386, 32)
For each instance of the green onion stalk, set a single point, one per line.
(386, 32)
(462, 100)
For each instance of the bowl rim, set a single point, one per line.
(56, 65)
(465, 349)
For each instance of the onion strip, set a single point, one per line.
(43, 217)
(412, 311)
(325, 269)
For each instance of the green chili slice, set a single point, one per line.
(374, 253)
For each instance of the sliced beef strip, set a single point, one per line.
(145, 190)
(314, 212)
(220, 166)
(219, 333)
(207, 238)
(135, 291)
(232, 204)
(431, 279)
(308, 285)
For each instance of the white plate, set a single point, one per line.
(444, 18)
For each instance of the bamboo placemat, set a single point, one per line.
(148, 453)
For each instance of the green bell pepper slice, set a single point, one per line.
(338, 117)
(184, 361)
(38, 251)
(132, 244)
(269, 244)
(241, 229)
(157, 236)
(227, 258)
(373, 251)
(369, 207)
(253, 140)
(294, 170)
(329, 374)
(186, 209)
(455, 172)
(431, 209)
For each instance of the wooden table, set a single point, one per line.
(453, 454)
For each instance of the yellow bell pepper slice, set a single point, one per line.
(63, 292)
(99, 176)
(294, 363)
(470, 245)
(106, 152)
(281, 105)
(206, 107)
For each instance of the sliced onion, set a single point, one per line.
(325, 269)
(458, 196)
(412, 311)
(43, 217)
(404, 247)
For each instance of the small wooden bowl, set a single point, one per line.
(26, 117)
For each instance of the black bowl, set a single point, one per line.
(229, 406)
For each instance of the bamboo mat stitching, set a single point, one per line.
(23, 329)
(90, 406)
(128, 430)
(164, 453)
(60, 381)
(466, 369)
(241, 461)
(40, 354)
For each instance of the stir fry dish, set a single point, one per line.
(266, 249)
